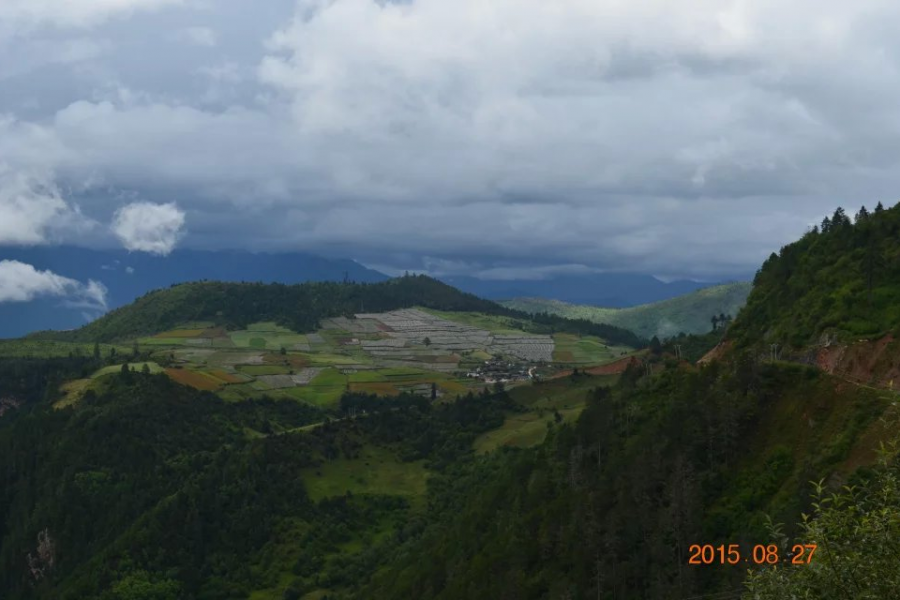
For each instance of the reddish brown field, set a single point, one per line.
(613, 368)
(565, 356)
(226, 377)
(193, 379)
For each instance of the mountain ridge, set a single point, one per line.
(616, 290)
(689, 313)
(127, 276)
(300, 308)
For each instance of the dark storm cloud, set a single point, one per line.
(687, 138)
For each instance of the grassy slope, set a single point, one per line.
(690, 313)
(566, 395)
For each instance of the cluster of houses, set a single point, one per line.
(500, 370)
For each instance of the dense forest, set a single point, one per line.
(301, 307)
(608, 508)
(155, 490)
(842, 279)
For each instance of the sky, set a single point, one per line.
(681, 139)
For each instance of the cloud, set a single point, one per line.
(32, 210)
(21, 282)
(147, 227)
(200, 36)
(515, 135)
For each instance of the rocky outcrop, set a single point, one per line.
(871, 362)
(43, 559)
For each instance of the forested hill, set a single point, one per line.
(840, 279)
(300, 307)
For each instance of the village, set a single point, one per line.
(501, 370)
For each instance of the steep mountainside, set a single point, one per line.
(690, 313)
(840, 281)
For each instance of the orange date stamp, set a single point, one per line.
(760, 554)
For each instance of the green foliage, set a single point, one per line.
(149, 489)
(840, 280)
(856, 531)
(608, 507)
(693, 347)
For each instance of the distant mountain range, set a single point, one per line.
(128, 276)
(612, 290)
(690, 313)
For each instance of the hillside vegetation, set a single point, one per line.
(841, 279)
(301, 308)
(573, 487)
(690, 313)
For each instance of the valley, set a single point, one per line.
(405, 440)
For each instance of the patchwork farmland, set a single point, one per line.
(416, 350)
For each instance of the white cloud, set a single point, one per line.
(32, 210)
(148, 227)
(21, 282)
(510, 133)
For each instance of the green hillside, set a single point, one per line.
(302, 307)
(690, 313)
(841, 280)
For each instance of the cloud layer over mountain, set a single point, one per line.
(681, 139)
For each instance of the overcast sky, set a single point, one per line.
(682, 139)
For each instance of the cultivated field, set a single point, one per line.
(410, 350)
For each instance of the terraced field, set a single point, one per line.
(410, 350)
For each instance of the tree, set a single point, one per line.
(879, 208)
(96, 350)
(840, 218)
(715, 322)
(125, 373)
(856, 532)
(145, 369)
(283, 351)
(433, 391)
(655, 345)
(427, 341)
